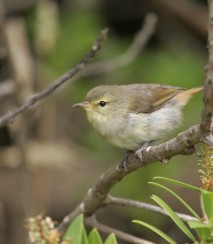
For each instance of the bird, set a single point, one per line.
(134, 115)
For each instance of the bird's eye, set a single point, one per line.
(102, 103)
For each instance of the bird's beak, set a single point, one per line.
(83, 104)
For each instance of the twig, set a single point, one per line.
(92, 222)
(139, 42)
(67, 219)
(10, 116)
(208, 89)
(132, 203)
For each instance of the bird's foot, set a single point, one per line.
(139, 152)
(123, 164)
(165, 160)
(189, 150)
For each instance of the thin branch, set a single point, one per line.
(110, 200)
(92, 222)
(139, 42)
(67, 219)
(37, 98)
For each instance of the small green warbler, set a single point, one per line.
(129, 116)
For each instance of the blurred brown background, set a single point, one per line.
(50, 156)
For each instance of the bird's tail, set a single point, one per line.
(183, 97)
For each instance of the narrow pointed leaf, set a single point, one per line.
(179, 198)
(84, 237)
(203, 230)
(207, 202)
(156, 230)
(94, 237)
(174, 217)
(179, 183)
(111, 239)
(75, 230)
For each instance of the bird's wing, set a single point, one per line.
(150, 97)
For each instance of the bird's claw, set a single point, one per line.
(139, 153)
(189, 150)
(123, 163)
(165, 160)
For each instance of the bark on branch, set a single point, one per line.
(110, 200)
(208, 89)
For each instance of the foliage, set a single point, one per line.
(202, 226)
(43, 230)
(76, 232)
(206, 166)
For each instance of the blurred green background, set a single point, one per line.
(59, 34)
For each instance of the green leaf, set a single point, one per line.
(156, 230)
(207, 202)
(179, 183)
(94, 237)
(111, 239)
(75, 230)
(84, 237)
(174, 217)
(179, 198)
(203, 230)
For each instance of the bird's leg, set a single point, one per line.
(139, 152)
(123, 164)
(189, 150)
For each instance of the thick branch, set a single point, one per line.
(208, 89)
(10, 116)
